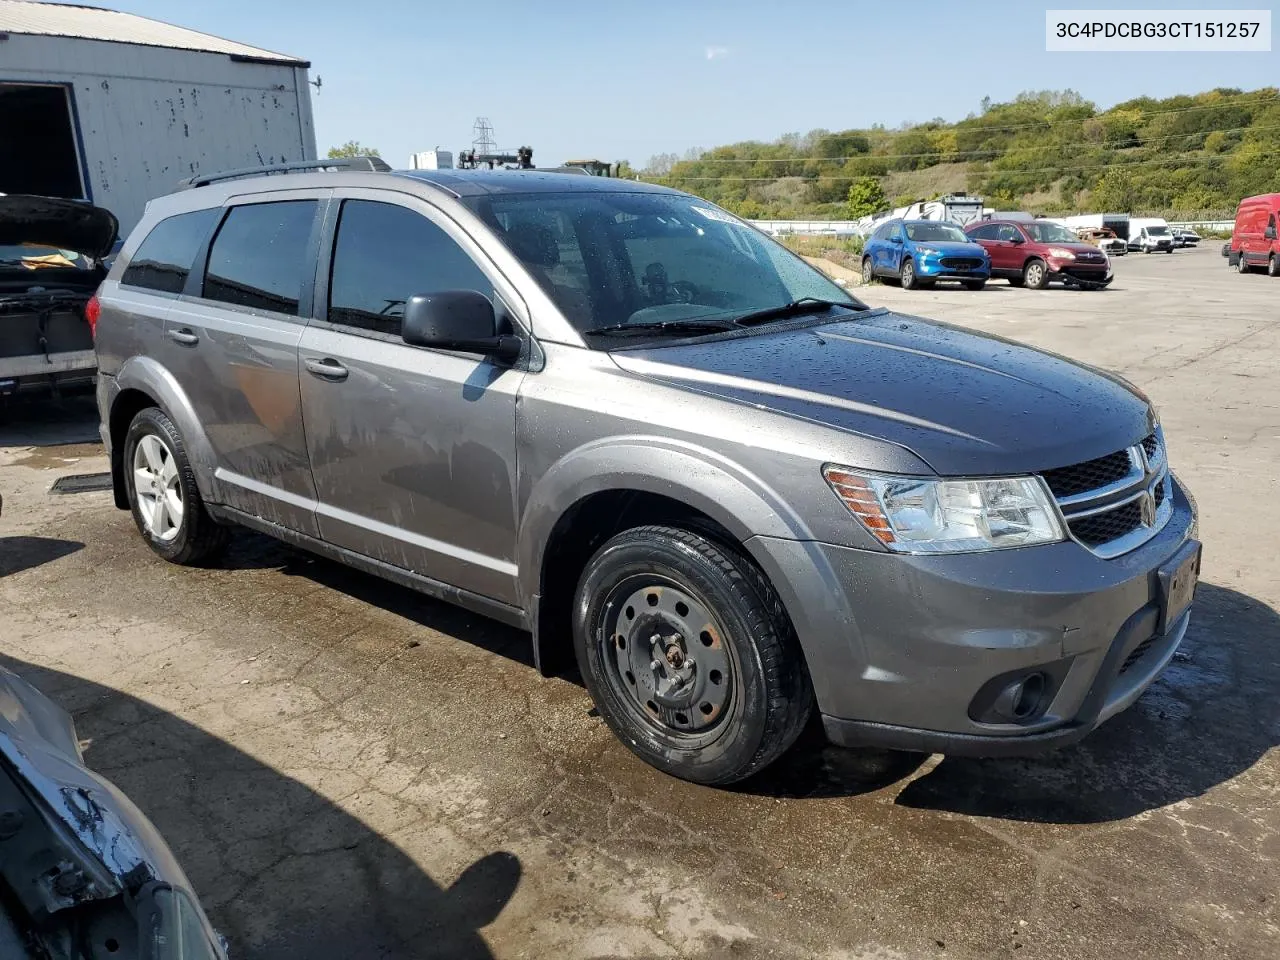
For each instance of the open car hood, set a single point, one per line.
(56, 222)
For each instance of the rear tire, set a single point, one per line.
(868, 272)
(908, 274)
(689, 655)
(1035, 274)
(162, 492)
(974, 284)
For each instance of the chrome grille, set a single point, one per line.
(1114, 504)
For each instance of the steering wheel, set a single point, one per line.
(683, 291)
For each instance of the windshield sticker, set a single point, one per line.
(713, 214)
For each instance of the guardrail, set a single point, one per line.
(849, 228)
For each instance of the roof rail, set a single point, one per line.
(370, 164)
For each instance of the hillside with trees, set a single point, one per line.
(1050, 152)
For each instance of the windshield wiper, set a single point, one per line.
(664, 326)
(795, 308)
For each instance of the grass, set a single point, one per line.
(846, 251)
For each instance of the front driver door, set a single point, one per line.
(412, 450)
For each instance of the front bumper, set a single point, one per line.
(902, 649)
(1073, 271)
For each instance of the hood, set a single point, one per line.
(953, 248)
(55, 222)
(38, 744)
(967, 404)
(1075, 246)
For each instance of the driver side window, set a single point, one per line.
(383, 255)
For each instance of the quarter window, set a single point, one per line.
(383, 255)
(164, 259)
(260, 257)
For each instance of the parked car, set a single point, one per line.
(921, 252)
(49, 268)
(84, 874)
(618, 417)
(1104, 239)
(1035, 253)
(1184, 237)
(1150, 235)
(1253, 239)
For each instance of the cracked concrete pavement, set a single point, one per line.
(346, 769)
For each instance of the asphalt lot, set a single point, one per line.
(349, 770)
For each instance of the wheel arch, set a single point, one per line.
(143, 382)
(597, 492)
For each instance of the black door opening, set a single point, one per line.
(38, 151)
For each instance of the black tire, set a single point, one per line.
(1273, 266)
(974, 284)
(196, 537)
(745, 656)
(1035, 274)
(907, 273)
(1015, 281)
(1242, 265)
(868, 272)
(1170, 250)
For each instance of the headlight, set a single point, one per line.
(919, 515)
(930, 251)
(1062, 253)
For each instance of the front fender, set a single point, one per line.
(146, 375)
(742, 502)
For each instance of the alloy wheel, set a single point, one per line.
(157, 487)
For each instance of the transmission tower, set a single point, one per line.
(482, 141)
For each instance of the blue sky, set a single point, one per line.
(628, 80)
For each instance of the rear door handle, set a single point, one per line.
(185, 336)
(326, 369)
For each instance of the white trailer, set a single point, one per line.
(436, 159)
(116, 109)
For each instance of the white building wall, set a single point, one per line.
(151, 116)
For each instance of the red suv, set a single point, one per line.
(1035, 252)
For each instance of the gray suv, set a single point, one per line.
(616, 416)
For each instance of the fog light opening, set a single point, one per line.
(1023, 698)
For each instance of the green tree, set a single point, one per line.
(352, 148)
(865, 197)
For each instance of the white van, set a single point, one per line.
(1150, 234)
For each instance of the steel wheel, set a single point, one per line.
(157, 487)
(665, 657)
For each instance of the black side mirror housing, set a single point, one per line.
(1269, 233)
(1016, 239)
(461, 320)
(895, 240)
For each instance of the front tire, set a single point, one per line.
(974, 284)
(689, 655)
(163, 496)
(868, 272)
(1273, 266)
(908, 275)
(1242, 266)
(1035, 275)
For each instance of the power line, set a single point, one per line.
(990, 150)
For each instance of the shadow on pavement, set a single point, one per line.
(283, 873)
(23, 553)
(44, 421)
(1211, 716)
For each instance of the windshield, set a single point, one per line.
(1157, 231)
(647, 258)
(936, 232)
(1049, 232)
(35, 257)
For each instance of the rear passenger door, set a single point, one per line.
(232, 343)
(412, 449)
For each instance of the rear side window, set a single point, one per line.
(383, 255)
(164, 259)
(259, 258)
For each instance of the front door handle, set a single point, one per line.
(326, 369)
(186, 336)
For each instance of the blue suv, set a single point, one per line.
(920, 252)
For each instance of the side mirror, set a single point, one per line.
(1016, 239)
(895, 239)
(1269, 233)
(457, 320)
